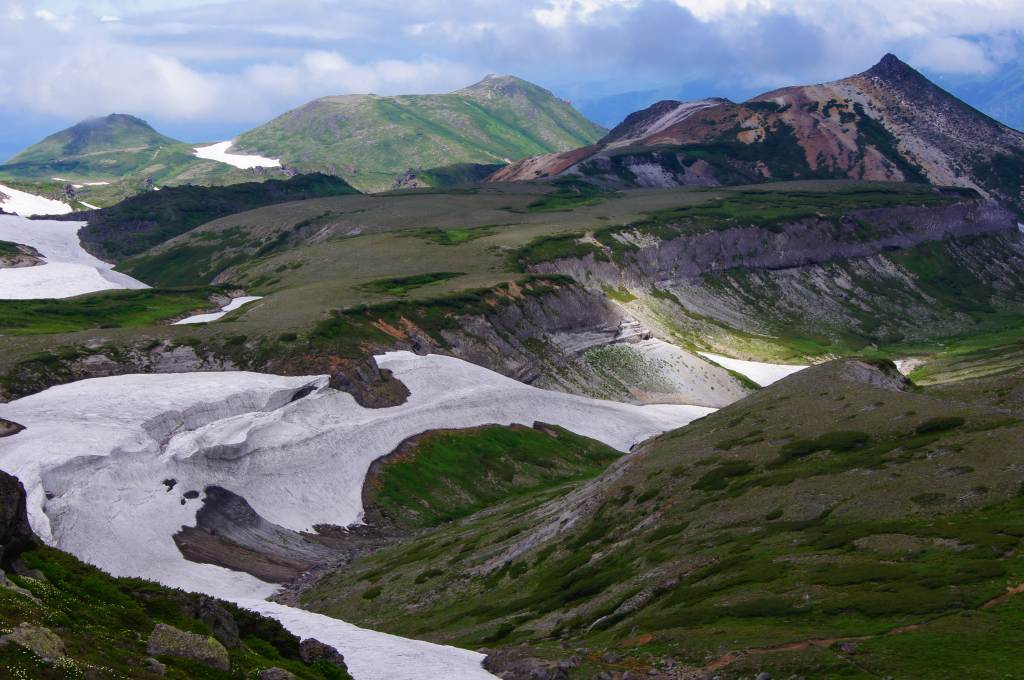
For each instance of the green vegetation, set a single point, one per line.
(906, 517)
(97, 135)
(446, 475)
(104, 622)
(498, 118)
(453, 237)
(9, 248)
(401, 285)
(559, 247)
(110, 309)
(149, 219)
(458, 174)
(568, 195)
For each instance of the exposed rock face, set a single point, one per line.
(800, 243)
(229, 533)
(16, 534)
(822, 277)
(169, 641)
(164, 357)
(889, 123)
(219, 620)
(26, 256)
(41, 641)
(276, 674)
(364, 380)
(312, 651)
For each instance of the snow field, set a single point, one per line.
(27, 205)
(762, 373)
(219, 152)
(95, 455)
(213, 316)
(69, 270)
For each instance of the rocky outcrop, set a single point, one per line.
(229, 533)
(313, 651)
(16, 534)
(364, 380)
(39, 640)
(167, 640)
(219, 620)
(18, 255)
(276, 674)
(808, 241)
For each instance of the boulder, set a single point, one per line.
(15, 532)
(311, 651)
(276, 674)
(219, 620)
(43, 642)
(155, 666)
(11, 585)
(169, 641)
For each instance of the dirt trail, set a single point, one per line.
(824, 643)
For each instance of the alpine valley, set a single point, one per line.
(465, 386)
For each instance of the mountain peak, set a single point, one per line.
(505, 85)
(891, 67)
(115, 131)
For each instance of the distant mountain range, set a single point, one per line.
(369, 140)
(999, 94)
(889, 123)
(373, 142)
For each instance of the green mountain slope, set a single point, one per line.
(851, 544)
(370, 140)
(122, 151)
(116, 132)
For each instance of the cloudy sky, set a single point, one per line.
(207, 70)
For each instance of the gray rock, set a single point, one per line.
(11, 585)
(311, 651)
(169, 641)
(15, 532)
(155, 666)
(41, 641)
(763, 676)
(276, 674)
(219, 620)
(611, 657)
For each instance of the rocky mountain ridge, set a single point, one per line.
(888, 123)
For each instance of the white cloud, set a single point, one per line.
(236, 60)
(948, 54)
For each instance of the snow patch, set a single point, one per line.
(762, 373)
(213, 316)
(27, 205)
(69, 270)
(90, 206)
(219, 152)
(907, 366)
(94, 455)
